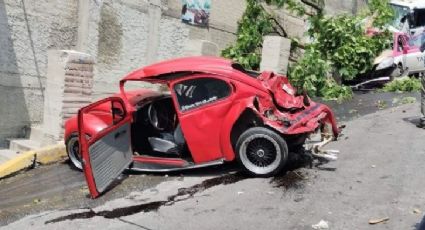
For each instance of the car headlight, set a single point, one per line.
(387, 62)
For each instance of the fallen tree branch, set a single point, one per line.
(276, 22)
(315, 6)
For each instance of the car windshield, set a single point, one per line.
(399, 13)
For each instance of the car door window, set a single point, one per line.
(400, 44)
(194, 93)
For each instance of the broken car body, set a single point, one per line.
(214, 111)
(405, 58)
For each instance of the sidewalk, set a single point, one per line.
(6, 154)
(12, 162)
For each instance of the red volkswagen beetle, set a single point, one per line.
(212, 111)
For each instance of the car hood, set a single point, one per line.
(385, 54)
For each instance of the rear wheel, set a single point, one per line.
(261, 152)
(73, 150)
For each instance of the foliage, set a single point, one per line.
(407, 100)
(334, 91)
(405, 84)
(342, 41)
(342, 44)
(255, 23)
(384, 14)
(340, 47)
(310, 71)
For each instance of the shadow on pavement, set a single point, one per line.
(420, 226)
(414, 120)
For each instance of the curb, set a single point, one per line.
(46, 155)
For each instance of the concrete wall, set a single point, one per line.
(125, 35)
(121, 35)
(27, 30)
(333, 7)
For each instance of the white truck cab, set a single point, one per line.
(409, 16)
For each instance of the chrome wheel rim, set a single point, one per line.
(260, 154)
(73, 149)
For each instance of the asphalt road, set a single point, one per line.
(344, 189)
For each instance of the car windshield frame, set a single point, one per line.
(399, 12)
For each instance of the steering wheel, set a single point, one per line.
(158, 116)
(153, 117)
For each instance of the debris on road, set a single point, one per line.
(290, 180)
(417, 211)
(321, 225)
(318, 152)
(381, 104)
(380, 220)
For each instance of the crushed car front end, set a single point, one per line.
(289, 113)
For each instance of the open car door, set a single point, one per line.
(107, 153)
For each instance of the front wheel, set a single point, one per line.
(261, 152)
(396, 73)
(73, 150)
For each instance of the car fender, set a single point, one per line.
(226, 128)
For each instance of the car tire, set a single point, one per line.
(261, 152)
(396, 73)
(73, 150)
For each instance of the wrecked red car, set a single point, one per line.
(208, 111)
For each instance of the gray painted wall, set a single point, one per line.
(125, 35)
(27, 30)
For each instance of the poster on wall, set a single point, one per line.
(196, 12)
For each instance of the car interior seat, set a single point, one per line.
(169, 140)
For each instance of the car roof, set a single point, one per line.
(175, 68)
(420, 4)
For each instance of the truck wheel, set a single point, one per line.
(261, 152)
(73, 150)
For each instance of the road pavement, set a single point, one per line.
(379, 175)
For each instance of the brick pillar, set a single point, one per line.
(69, 86)
(275, 54)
